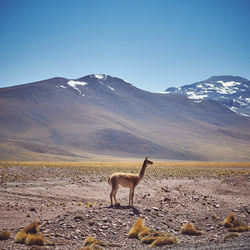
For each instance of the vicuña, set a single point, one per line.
(127, 180)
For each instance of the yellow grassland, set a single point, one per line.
(159, 169)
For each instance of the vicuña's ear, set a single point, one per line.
(146, 158)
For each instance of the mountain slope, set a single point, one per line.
(232, 91)
(100, 115)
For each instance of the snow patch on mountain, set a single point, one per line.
(229, 84)
(233, 92)
(110, 88)
(193, 95)
(100, 76)
(75, 84)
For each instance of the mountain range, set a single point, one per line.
(98, 117)
(232, 91)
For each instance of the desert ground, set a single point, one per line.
(71, 201)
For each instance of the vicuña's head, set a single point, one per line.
(147, 161)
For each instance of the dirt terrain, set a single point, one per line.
(71, 204)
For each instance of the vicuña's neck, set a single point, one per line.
(142, 172)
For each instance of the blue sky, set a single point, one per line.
(153, 44)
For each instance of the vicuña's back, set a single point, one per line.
(126, 180)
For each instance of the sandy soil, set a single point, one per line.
(55, 197)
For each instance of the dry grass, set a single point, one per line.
(2, 177)
(149, 239)
(190, 229)
(161, 241)
(136, 229)
(30, 235)
(90, 204)
(149, 236)
(159, 169)
(144, 232)
(228, 222)
(20, 237)
(32, 228)
(91, 243)
(215, 217)
(37, 248)
(34, 239)
(240, 229)
(91, 240)
(231, 236)
(5, 235)
(234, 225)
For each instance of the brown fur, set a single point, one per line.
(126, 180)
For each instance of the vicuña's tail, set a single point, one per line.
(109, 180)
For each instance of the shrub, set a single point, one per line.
(190, 229)
(91, 243)
(215, 217)
(228, 222)
(234, 225)
(34, 239)
(30, 235)
(160, 241)
(5, 235)
(32, 228)
(136, 229)
(149, 236)
(20, 237)
(145, 231)
(239, 229)
(231, 236)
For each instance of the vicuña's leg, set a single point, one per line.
(111, 197)
(131, 196)
(115, 192)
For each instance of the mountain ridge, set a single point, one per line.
(231, 91)
(99, 115)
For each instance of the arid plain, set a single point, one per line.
(71, 201)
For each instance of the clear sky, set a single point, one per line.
(153, 44)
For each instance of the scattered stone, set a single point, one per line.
(105, 219)
(33, 209)
(46, 231)
(91, 222)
